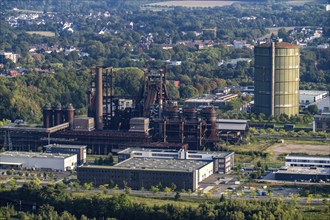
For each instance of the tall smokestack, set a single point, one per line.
(70, 115)
(99, 99)
(58, 114)
(47, 114)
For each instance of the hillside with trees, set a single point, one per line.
(63, 78)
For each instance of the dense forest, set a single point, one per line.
(54, 202)
(65, 75)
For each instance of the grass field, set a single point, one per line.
(194, 4)
(276, 151)
(42, 33)
(260, 145)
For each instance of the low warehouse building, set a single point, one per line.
(147, 172)
(223, 161)
(32, 160)
(148, 167)
(303, 174)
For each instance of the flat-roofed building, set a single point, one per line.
(79, 150)
(308, 161)
(12, 165)
(223, 161)
(148, 167)
(33, 160)
(147, 172)
(315, 174)
(307, 97)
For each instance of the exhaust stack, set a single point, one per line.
(99, 99)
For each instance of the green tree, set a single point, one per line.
(154, 189)
(87, 186)
(312, 109)
(12, 184)
(167, 190)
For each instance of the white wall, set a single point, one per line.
(205, 171)
(46, 162)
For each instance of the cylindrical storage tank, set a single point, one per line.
(276, 78)
(99, 99)
(57, 114)
(47, 116)
(189, 113)
(70, 114)
(209, 115)
(172, 112)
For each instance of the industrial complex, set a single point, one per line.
(109, 126)
(158, 141)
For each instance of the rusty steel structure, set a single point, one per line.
(197, 129)
(104, 106)
(99, 95)
(155, 93)
(56, 115)
(209, 117)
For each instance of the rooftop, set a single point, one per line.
(65, 146)
(229, 124)
(162, 164)
(34, 154)
(312, 92)
(15, 127)
(279, 45)
(305, 171)
(175, 152)
(232, 121)
(307, 157)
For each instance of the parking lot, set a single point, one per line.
(219, 183)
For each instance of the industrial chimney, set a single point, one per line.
(47, 116)
(99, 99)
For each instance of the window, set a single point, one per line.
(195, 156)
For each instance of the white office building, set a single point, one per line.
(223, 162)
(307, 161)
